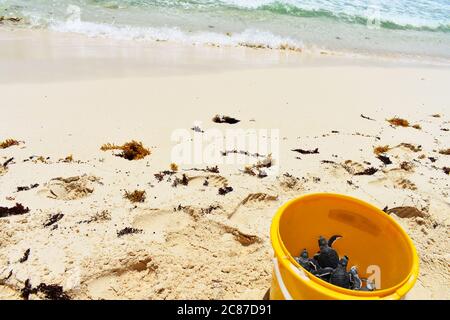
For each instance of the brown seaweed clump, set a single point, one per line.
(8, 143)
(135, 196)
(18, 209)
(128, 230)
(50, 291)
(174, 167)
(133, 150)
(410, 146)
(446, 170)
(445, 151)
(398, 122)
(381, 149)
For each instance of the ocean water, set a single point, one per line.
(417, 28)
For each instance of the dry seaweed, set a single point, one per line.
(135, 196)
(410, 147)
(68, 159)
(223, 191)
(27, 290)
(367, 172)
(99, 216)
(18, 209)
(128, 230)
(53, 219)
(225, 119)
(436, 115)
(302, 151)
(214, 169)
(133, 150)
(53, 292)
(384, 159)
(398, 122)
(8, 143)
(184, 180)
(173, 167)
(417, 126)
(381, 149)
(26, 188)
(432, 159)
(7, 162)
(366, 117)
(445, 152)
(407, 166)
(25, 256)
(446, 170)
(160, 175)
(197, 129)
(257, 168)
(246, 153)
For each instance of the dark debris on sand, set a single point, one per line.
(366, 117)
(7, 162)
(224, 119)
(183, 181)
(53, 292)
(446, 170)
(53, 219)
(18, 209)
(367, 172)
(214, 169)
(302, 151)
(246, 153)
(223, 191)
(26, 188)
(384, 159)
(128, 230)
(25, 256)
(160, 175)
(50, 291)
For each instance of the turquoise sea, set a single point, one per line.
(388, 27)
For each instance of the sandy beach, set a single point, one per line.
(64, 96)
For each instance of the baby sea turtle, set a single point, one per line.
(370, 286)
(355, 280)
(323, 273)
(340, 277)
(305, 261)
(327, 256)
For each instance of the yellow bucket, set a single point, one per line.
(372, 240)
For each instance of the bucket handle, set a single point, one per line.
(281, 284)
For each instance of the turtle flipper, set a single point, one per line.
(323, 272)
(333, 239)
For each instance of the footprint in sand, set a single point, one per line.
(115, 284)
(156, 224)
(397, 179)
(254, 198)
(71, 188)
(213, 180)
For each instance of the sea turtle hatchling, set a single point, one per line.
(305, 261)
(327, 257)
(355, 280)
(340, 277)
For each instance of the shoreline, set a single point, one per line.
(62, 56)
(71, 95)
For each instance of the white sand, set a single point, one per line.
(63, 98)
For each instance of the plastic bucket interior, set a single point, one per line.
(373, 241)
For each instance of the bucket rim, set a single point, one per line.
(285, 258)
